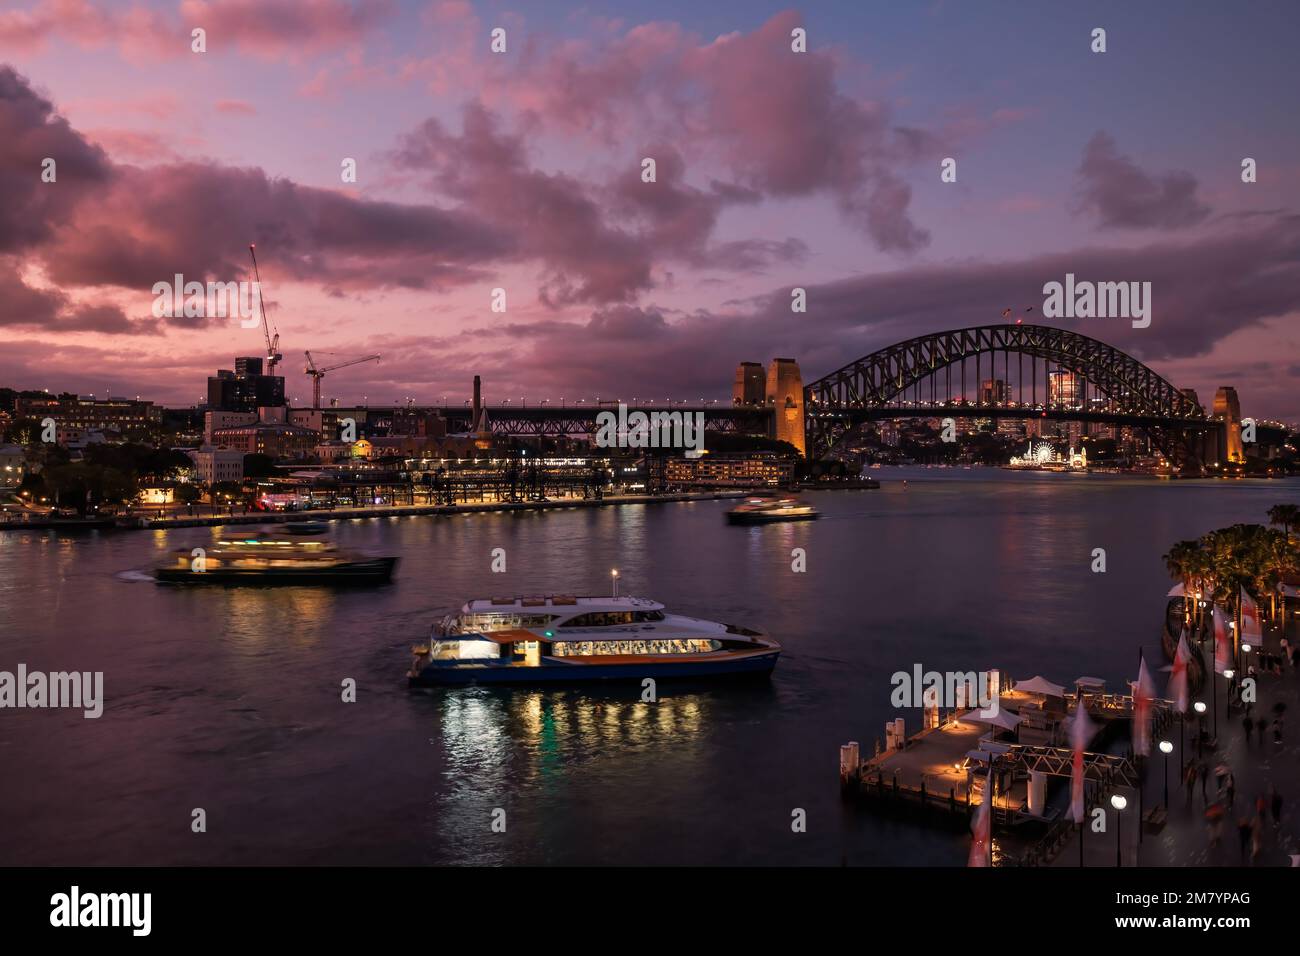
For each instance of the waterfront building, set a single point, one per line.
(724, 469)
(215, 419)
(13, 466)
(274, 439)
(215, 464)
(76, 417)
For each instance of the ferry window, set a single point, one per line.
(648, 616)
(599, 648)
(478, 650)
(600, 619)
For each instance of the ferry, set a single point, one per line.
(562, 638)
(765, 509)
(299, 555)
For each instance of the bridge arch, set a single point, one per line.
(871, 386)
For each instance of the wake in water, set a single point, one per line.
(135, 576)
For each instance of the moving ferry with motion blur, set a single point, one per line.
(530, 640)
(298, 555)
(765, 509)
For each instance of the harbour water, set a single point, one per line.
(229, 700)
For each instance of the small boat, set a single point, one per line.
(563, 639)
(298, 556)
(765, 509)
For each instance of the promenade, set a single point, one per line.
(1255, 765)
(401, 511)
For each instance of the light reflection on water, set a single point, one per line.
(230, 698)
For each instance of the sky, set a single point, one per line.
(522, 170)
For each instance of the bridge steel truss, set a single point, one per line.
(871, 387)
(554, 421)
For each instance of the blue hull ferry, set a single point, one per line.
(565, 639)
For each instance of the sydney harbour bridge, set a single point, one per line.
(994, 371)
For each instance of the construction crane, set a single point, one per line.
(319, 373)
(273, 355)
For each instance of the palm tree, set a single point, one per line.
(1181, 564)
(1288, 516)
(1239, 565)
(1281, 559)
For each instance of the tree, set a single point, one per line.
(1182, 566)
(81, 484)
(1288, 516)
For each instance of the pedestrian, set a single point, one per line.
(1216, 829)
(1276, 802)
(1249, 725)
(1256, 842)
(1231, 787)
(1260, 725)
(1243, 835)
(1261, 807)
(1277, 730)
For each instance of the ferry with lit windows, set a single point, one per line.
(766, 509)
(300, 555)
(563, 638)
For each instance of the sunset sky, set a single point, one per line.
(522, 171)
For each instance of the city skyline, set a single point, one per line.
(828, 180)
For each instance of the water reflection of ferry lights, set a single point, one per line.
(481, 730)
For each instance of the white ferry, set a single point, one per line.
(565, 638)
(766, 509)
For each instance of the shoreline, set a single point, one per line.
(144, 523)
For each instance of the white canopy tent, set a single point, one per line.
(1003, 719)
(1040, 685)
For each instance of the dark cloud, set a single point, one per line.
(777, 120)
(1123, 195)
(31, 133)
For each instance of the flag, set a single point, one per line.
(1222, 643)
(1178, 676)
(1081, 731)
(1250, 629)
(1143, 694)
(981, 828)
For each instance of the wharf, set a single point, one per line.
(940, 772)
(146, 522)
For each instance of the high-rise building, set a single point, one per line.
(1064, 388)
(750, 387)
(248, 365)
(245, 389)
(995, 391)
(784, 393)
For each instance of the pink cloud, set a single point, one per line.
(275, 27)
(236, 107)
(266, 28)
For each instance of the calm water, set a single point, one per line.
(229, 700)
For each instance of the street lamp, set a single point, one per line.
(1166, 748)
(1199, 707)
(1118, 801)
(613, 576)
